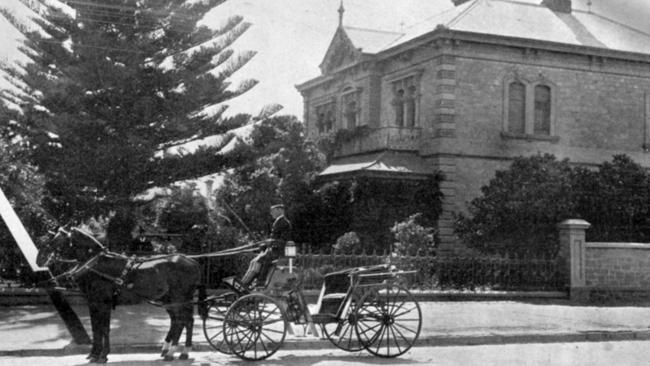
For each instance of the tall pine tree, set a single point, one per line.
(112, 85)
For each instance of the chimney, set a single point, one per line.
(459, 2)
(560, 6)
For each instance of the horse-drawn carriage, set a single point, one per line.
(358, 308)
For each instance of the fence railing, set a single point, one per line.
(505, 273)
(499, 273)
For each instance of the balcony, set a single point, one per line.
(380, 138)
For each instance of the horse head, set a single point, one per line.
(69, 245)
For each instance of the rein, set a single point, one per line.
(248, 248)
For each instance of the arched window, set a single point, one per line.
(529, 108)
(320, 121)
(351, 113)
(405, 99)
(329, 120)
(542, 123)
(517, 108)
(399, 107)
(325, 117)
(410, 106)
(350, 110)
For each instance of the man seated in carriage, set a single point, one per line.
(272, 249)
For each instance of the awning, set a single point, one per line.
(387, 164)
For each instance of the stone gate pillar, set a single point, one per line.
(572, 257)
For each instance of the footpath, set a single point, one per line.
(37, 330)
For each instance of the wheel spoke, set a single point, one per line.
(396, 329)
(273, 331)
(368, 329)
(348, 330)
(342, 333)
(271, 341)
(396, 307)
(406, 311)
(381, 336)
(405, 328)
(216, 335)
(399, 349)
(248, 336)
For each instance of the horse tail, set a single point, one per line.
(202, 304)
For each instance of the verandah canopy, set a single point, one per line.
(386, 164)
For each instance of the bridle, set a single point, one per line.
(87, 266)
(55, 255)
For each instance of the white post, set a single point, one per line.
(19, 233)
(572, 253)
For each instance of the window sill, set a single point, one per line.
(527, 137)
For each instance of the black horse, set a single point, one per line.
(108, 279)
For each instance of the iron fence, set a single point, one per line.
(438, 272)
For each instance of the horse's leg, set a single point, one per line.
(188, 322)
(105, 329)
(94, 325)
(174, 333)
(168, 338)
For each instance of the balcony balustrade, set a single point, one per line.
(381, 138)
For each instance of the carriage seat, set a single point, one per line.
(334, 291)
(277, 278)
(235, 284)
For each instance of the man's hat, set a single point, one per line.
(279, 205)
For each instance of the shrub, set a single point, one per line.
(347, 243)
(614, 199)
(520, 208)
(413, 238)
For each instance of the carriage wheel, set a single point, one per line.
(213, 322)
(255, 327)
(342, 333)
(388, 321)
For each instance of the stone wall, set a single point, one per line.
(617, 265)
(603, 271)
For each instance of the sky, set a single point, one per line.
(291, 37)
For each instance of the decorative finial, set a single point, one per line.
(341, 11)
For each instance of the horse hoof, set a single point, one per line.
(164, 353)
(98, 359)
(91, 356)
(183, 356)
(168, 358)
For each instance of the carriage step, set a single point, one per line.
(334, 296)
(324, 318)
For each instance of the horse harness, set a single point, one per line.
(89, 266)
(131, 263)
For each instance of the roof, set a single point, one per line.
(372, 41)
(527, 19)
(381, 164)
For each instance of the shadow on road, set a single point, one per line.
(190, 362)
(288, 360)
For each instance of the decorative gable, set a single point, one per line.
(341, 52)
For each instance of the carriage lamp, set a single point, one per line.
(290, 252)
(290, 249)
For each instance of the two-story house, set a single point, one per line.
(467, 90)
